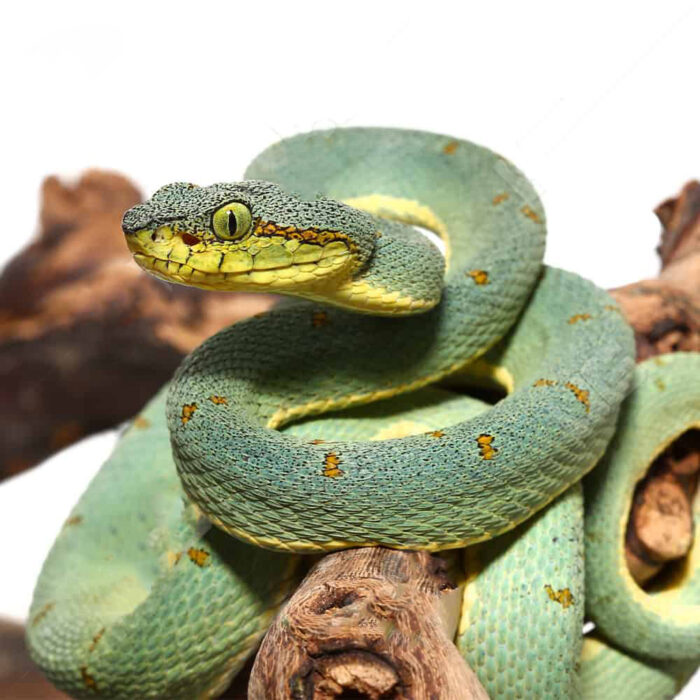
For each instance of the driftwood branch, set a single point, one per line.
(660, 528)
(85, 337)
(665, 315)
(665, 311)
(371, 623)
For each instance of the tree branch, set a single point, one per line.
(375, 622)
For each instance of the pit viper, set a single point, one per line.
(312, 427)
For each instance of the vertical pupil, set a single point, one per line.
(232, 223)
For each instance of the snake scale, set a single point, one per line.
(313, 427)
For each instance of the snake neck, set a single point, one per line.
(404, 275)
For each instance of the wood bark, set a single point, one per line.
(660, 527)
(665, 311)
(86, 338)
(665, 315)
(369, 623)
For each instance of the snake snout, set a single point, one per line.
(135, 220)
(128, 227)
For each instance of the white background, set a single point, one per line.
(596, 102)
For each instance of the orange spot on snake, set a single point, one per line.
(487, 451)
(73, 520)
(96, 639)
(581, 395)
(330, 465)
(187, 412)
(479, 276)
(531, 214)
(436, 434)
(562, 596)
(450, 148)
(88, 680)
(500, 198)
(218, 400)
(42, 613)
(198, 556)
(317, 441)
(579, 317)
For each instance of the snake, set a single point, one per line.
(318, 425)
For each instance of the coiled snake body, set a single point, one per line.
(175, 607)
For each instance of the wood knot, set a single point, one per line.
(347, 674)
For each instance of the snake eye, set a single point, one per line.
(232, 221)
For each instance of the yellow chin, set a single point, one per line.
(264, 263)
(294, 278)
(275, 264)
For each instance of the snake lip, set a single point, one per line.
(143, 257)
(131, 229)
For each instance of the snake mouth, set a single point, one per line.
(267, 265)
(182, 273)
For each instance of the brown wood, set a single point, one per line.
(367, 623)
(663, 519)
(665, 315)
(683, 459)
(20, 677)
(639, 566)
(665, 311)
(660, 528)
(86, 338)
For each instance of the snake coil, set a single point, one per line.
(312, 428)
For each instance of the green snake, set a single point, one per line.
(140, 596)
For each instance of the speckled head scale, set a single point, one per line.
(193, 205)
(255, 236)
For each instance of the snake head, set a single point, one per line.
(248, 236)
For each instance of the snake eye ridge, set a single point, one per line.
(232, 221)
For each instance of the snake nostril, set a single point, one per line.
(189, 239)
(154, 237)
